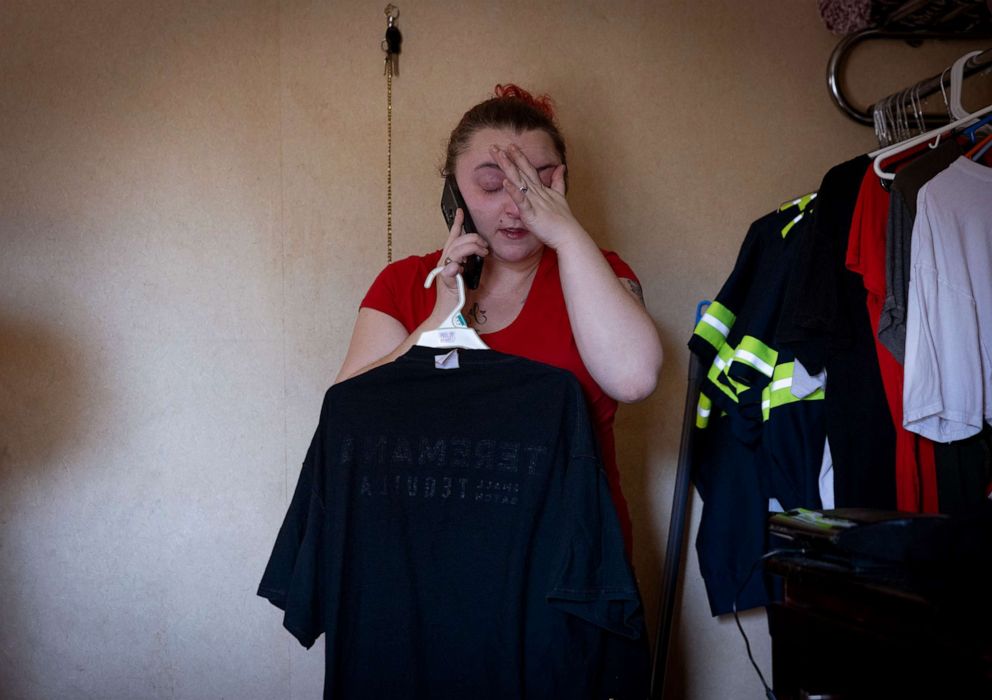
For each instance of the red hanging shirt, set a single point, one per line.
(916, 473)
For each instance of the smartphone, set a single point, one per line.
(451, 201)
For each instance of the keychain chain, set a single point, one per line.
(391, 45)
(389, 163)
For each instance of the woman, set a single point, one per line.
(547, 292)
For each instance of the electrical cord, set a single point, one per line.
(769, 693)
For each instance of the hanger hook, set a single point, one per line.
(943, 91)
(890, 116)
(455, 318)
(905, 102)
(879, 117)
(918, 109)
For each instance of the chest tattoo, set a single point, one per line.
(477, 313)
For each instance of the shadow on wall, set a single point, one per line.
(41, 401)
(647, 443)
(42, 410)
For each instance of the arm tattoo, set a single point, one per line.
(634, 288)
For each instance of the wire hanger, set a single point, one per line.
(886, 153)
(453, 332)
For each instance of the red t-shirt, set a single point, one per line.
(916, 473)
(541, 332)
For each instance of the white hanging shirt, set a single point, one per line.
(947, 392)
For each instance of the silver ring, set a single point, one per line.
(523, 188)
(447, 261)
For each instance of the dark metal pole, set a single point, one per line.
(676, 533)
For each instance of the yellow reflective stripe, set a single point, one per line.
(711, 320)
(703, 411)
(749, 358)
(714, 325)
(724, 355)
(784, 371)
(753, 352)
(713, 375)
(710, 334)
(782, 384)
(779, 391)
(801, 202)
(721, 314)
(788, 226)
(783, 395)
(805, 200)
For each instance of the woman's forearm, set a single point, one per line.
(616, 337)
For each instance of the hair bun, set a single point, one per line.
(542, 103)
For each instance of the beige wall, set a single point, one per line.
(192, 203)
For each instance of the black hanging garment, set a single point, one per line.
(452, 535)
(825, 323)
(755, 438)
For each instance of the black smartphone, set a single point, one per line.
(451, 201)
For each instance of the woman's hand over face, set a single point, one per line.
(544, 211)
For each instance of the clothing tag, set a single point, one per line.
(447, 361)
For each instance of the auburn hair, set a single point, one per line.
(511, 107)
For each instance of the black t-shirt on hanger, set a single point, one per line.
(452, 534)
(825, 322)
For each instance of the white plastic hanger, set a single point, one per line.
(453, 332)
(957, 77)
(886, 153)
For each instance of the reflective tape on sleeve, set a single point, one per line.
(714, 326)
(717, 373)
(754, 353)
(779, 391)
(703, 410)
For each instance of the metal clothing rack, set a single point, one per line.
(914, 22)
(924, 88)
